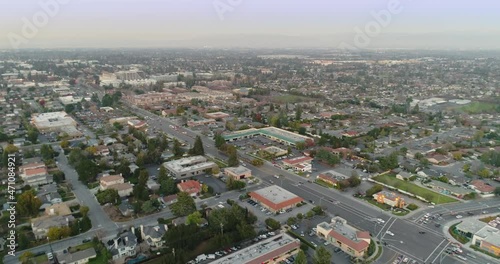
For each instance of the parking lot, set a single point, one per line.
(262, 213)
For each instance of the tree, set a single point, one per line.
(108, 196)
(148, 207)
(373, 190)
(418, 156)
(176, 149)
(272, 224)
(233, 160)
(197, 147)
(194, 218)
(298, 113)
(466, 167)
(403, 151)
(168, 186)
(28, 204)
(140, 191)
(107, 100)
(232, 184)
(322, 256)
(46, 152)
(64, 144)
(302, 130)
(354, 180)
(301, 258)
(26, 256)
(219, 141)
(497, 191)
(84, 210)
(184, 206)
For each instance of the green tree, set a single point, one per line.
(184, 206)
(272, 224)
(497, 191)
(298, 113)
(140, 191)
(322, 256)
(197, 147)
(46, 152)
(301, 258)
(176, 149)
(84, 210)
(26, 257)
(354, 180)
(108, 196)
(194, 218)
(233, 160)
(373, 190)
(107, 100)
(28, 204)
(148, 207)
(219, 141)
(466, 167)
(168, 186)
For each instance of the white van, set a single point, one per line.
(211, 256)
(201, 258)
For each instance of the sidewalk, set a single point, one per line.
(466, 246)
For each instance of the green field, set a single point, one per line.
(412, 188)
(479, 107)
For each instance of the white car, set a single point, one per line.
(389, 233)
(50, 256)
(314, 244)
(459, 216)
(380, 220)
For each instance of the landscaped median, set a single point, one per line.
(303, 240)
(460, 238)
(416, 190)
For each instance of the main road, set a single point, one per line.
(421, 248)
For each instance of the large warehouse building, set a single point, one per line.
(275, 198)
(187, 167)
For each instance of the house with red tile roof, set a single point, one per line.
(349, 239)
(191, 187)
(482, 187)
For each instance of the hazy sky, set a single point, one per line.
(225, 23)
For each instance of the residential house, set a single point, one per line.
(116, 182)
(58, 209)
(126, 209)
(191, 187)
(153, 235)
(41, 225)
(482, 188)
(124, 245)
(389, 198)
(168, 200)
(35, 174)
(78, 257)
(102, 150)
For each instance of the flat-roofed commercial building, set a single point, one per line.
(271, 250)
(187, 167)
(349, 239)
(238, 173)
(274, 133)
(488, 239)
(53, 121)
(275, 198)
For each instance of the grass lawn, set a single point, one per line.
(324, 184)
(488, 219)
(382, 206)
(81, 247)
(400, 212)
(415, 189)
(41, 259)
(479, 107)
